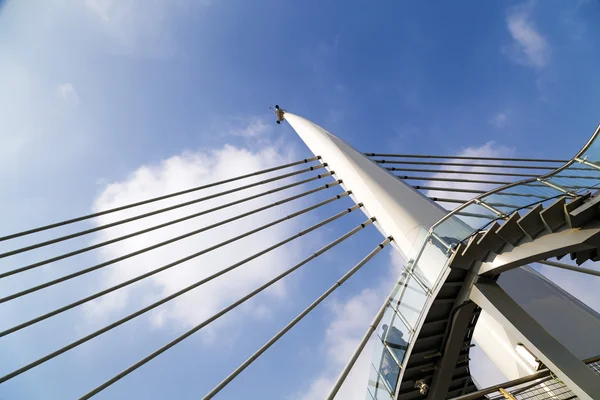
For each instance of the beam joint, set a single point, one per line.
(572, 371)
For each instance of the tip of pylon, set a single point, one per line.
(279, 112)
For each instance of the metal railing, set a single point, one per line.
(408, 304)
(547, 186)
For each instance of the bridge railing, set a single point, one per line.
(414, 292)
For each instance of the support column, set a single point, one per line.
(572, 371)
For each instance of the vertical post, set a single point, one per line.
(572, 371)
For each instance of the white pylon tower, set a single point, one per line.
(525, 321)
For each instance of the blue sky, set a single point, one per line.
(92, 90)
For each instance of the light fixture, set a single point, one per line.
(527, 356)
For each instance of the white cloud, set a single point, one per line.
(490, 149)
(67, 93)
(256, 127)
(177, 173)
(529, 47)
(499, 120)
(349, 322)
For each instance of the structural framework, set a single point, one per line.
(467, 227)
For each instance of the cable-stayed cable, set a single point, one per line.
(209, 249)
(436, 178)
(298, 318)
(155, 212)
(172, 222)
(466, 157)
(209, 320)
(148, 201)
(221, 272)
(361, 345)
(462, 201)
(195, 285)
(540, 167)
(451, 171)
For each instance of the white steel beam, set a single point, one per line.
(402, 212)
(570, 369)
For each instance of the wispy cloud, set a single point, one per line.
(256, 127)
(490, 149)
(499, 119)
(67, 93)
(349, 321)
(529, 46)
(176, 173)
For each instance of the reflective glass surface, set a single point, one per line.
(577, 176)
(592, 154)
(395, 333)
(474, 216)
(523, 195)
(410, 301)
(428, 258)
(417, 245)
(431, 262)
(378, 387)
(453, 230)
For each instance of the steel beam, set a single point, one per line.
(442, 377)
(544, 247)
(572, 371)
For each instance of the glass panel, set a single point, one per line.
(377, 386)
(453, 230)
(540, 189)
(520, 196)
(431, 262)
(409, 301)
(390, 371)
(593, 152)
(577, 176)
(396, 293)
(378, 352)
(473, 215)
(395, 344)
(509, 203)
(395, 333)
(417, 246)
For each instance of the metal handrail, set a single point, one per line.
(525, 181)
(519, 381)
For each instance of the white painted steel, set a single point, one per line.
(402, 212)
(557, 311)
(552, 352)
